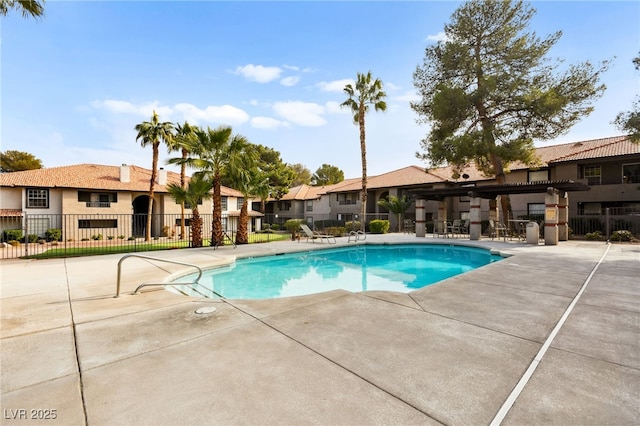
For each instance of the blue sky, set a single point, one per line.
(75, 83)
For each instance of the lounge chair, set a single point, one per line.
(314, 235)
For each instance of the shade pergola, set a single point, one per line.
(556, 207)
(492, 191)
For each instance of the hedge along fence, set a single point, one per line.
(379, 226)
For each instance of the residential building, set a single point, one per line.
(89, 199)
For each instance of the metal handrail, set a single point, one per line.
(159, 260)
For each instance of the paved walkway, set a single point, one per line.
(550, 335)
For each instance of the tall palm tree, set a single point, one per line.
(152, 133)
(181, 141)
(214, 152)
(198, 190)
(365, 93)
(28, 8)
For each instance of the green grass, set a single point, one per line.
(144, 246)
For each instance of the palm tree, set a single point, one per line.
(365, 93)
(214, 152)
(34, 8)
(198, 190)
(249, 181)
(152, 133)
(181, 141)
(397, 206)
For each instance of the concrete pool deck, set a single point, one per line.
(451, 353)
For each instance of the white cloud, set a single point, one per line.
(253, 102)
(391, 86)
(334, 86)
(226, 114)
(441, 36)
(290, 81)
(301, 113)
(259, 73)
(267, 123)
(291, 67)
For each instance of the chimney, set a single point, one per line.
(162, 176)
(125, 174)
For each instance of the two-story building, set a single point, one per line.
(609, 166)
(90, 199)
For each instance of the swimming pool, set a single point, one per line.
(401, 268)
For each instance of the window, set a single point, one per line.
(348, 198)
(631, 173)
(223, 203)
(538, 175)
(187, 222)
(535, 209)
(38, 226)
(97, 223)
(188, 205)
(37, 198)
(240, 202)
(309, 205)
(591, 174)
(285, 206)
(97, 199)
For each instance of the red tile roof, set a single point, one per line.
(93, 176)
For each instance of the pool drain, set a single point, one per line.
(206, 310)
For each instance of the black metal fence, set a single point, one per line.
(38, 235)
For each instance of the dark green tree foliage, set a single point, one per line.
(17, 161)
(198, 190)
(302, 175)
(629, 122)
(327, 175)
(489, 90)
(278, 174)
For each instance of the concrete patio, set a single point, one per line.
(450, 353)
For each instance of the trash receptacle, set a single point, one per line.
(533, 233)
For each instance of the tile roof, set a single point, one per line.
(93, 176)
(584, 150)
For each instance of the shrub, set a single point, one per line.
(594, 236)
(121, 237)
(336, 231)
(293, 225)
(110, 237)
(33, 238)
(42, 241)
(14, 243)
(54, 234)
(622, 236)
(266, 227)
(353, 225)
(131, 238)
(13, 235)
(379, 226)
(96, 237)
(275, 227)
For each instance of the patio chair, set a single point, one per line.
(456, 227)
(314, 235)
(497, 228)
(409, 226)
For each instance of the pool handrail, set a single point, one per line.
(140, 256)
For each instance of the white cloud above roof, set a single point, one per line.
(306, 114)
(267, 123)
(259, 73)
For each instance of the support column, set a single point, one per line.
(421, 216)
(475, 221)
(551, 217)
(563, 217)
(441, 223)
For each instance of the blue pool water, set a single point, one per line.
(400, 268)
